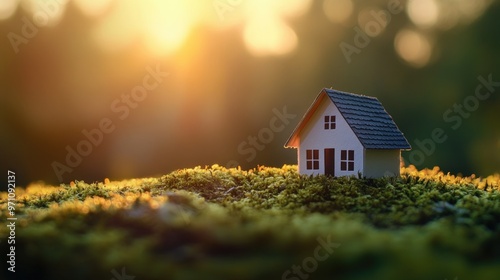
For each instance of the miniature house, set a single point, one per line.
(344, 134)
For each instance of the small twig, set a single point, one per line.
(228, 191)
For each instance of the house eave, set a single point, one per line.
(293, 141)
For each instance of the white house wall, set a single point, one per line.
(380, 163)
(314, 136)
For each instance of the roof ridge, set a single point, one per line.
(369, 120)
(350, 93)
(366, 117)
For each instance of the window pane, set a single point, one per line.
(327, 119)
(315, 154)
(332, 126)
(309, 165)
(351, 155)
(326, 125)
(308, 154)
(316, 164)
(351, 166)
(343, 166)
(343, 155)
(333, 118)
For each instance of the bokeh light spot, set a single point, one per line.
(472, 9)
(338, 10)
(424, 13)
(7, 8)
(93, 7)
(45, 12)
(413, 47)
(276, 8)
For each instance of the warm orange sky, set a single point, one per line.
(164, 25)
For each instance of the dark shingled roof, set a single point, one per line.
(368, 119)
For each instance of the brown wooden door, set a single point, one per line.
(329, 162)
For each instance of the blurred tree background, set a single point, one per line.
(231, 65)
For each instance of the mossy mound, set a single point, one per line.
(265, 223)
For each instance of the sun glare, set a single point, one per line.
(269, 37)
(163, 25)
(119, 28)
(167, 24)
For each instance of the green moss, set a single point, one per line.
(256, 224)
